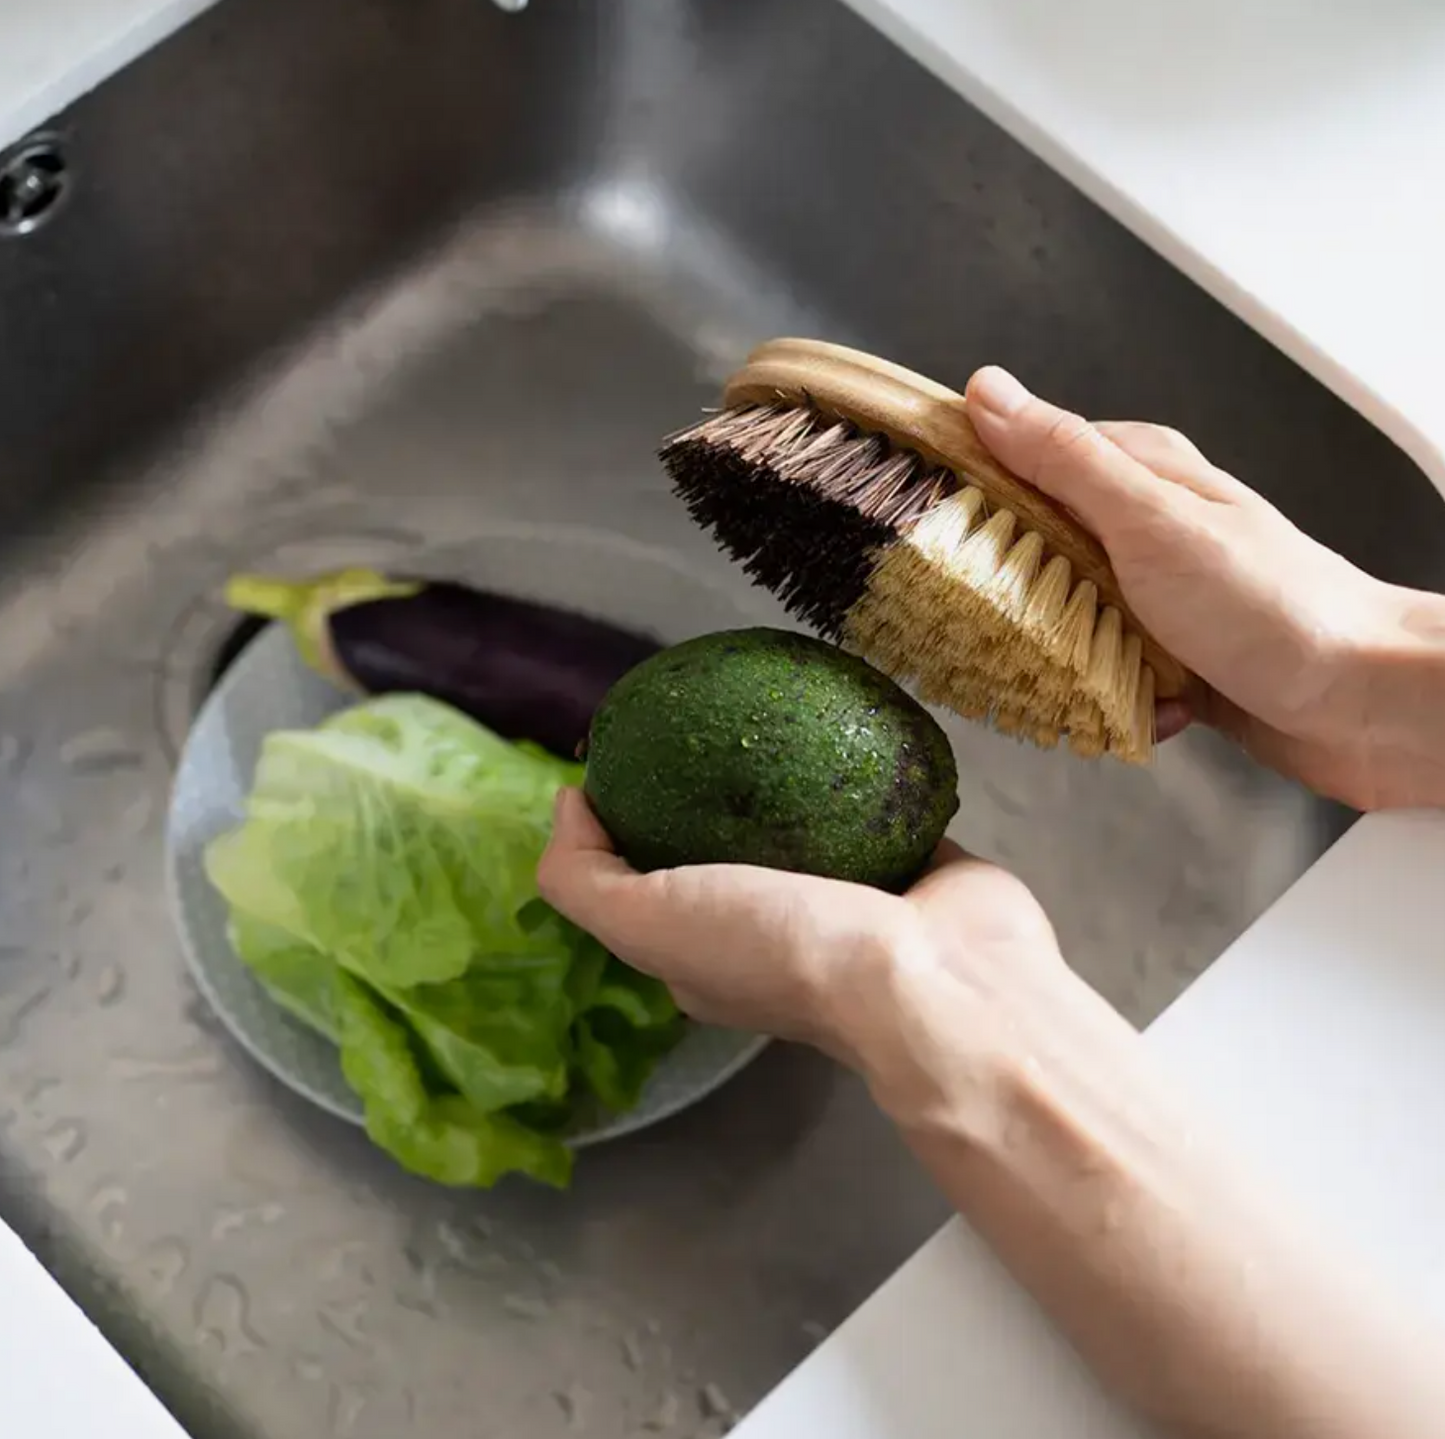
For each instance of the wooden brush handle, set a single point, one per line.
(931, 420)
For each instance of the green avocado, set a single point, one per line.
(766, 747)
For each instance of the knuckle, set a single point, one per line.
(1175, 439)
(1171, 444)
(1067, 442)
(1068, 434)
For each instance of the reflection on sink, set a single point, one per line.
(379, 283)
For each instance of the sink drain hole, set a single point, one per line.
(35, 178)
(232, 646)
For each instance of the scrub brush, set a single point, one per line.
(860, 494)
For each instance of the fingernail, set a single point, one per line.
(997, 392)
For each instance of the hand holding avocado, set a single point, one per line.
(796, 955)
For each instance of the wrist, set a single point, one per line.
(1401, 677)
(943, 1039)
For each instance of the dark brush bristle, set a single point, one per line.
(803, 502)
(813, 553)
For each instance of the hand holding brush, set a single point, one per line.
(1317, 669)
(1060, 581)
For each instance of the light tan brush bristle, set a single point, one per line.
(1007, 720)
(1142, 749)
(1048, 595)
(1086, 733)
(968, 610)
(1045, 736)
(1009, 589)
(1074, 637)
(1102, 679)
(1126, 702)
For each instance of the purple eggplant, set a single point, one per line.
(525, 670)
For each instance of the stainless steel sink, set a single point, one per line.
(424, 282)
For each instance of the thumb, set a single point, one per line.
(1062, 454)
(580, 873)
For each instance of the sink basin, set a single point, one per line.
(424, 282)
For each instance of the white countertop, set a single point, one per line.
(1287, 156)
(53, 51)
(59, 1379)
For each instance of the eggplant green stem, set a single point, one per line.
(306, 607)
(269, 597)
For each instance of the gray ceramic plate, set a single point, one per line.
(267, 689)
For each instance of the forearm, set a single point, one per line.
(1196, 1302)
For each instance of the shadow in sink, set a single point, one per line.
(382, 283)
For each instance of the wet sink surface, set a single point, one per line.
(403, 282)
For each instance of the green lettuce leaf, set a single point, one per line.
(440, 1137)
(383, 890)
(631, 1022)
(299, 978)
(401, 837)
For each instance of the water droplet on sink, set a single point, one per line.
(222, 1314)
(340, 1261)
(344, 1409)
(13, 1018)
(713, 1402)
(632, 1355)
(570, 1402)
(106, 1204)
(64, 1140)
(100, 751)
(164, 1263)
(522, 1306)
(37, 1089)
(308, 1369)
(233, 1218)
(109, 984)
(455, 1245)
(133, 1068)
(134, 819)
(669, 1406)
(347, 1320)
(420, 1296)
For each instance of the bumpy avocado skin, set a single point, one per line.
(766, 747)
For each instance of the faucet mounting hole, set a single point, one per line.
(35, 178)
